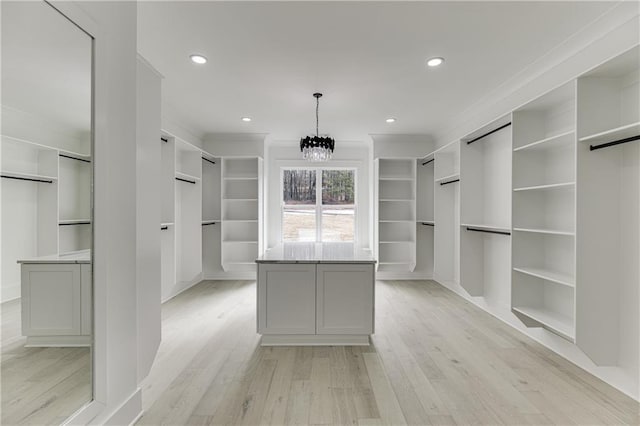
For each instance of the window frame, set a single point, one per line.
(318, 204)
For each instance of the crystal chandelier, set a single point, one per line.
(317, 148)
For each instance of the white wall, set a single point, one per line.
(358, 155)
(235, 144)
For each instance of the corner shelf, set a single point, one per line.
(550, 320)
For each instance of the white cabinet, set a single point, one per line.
(308, 303)
(344, 299)
(56, 304)
(287, 299)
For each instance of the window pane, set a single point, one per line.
(299, 211)
(299, 187)
(337, 187)
(338, 208)
(338, 223)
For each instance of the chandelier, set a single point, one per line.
(317, 148)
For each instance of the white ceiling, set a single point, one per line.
(267, 58)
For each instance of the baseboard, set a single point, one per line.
(10, 292)
(57, 341)
(182, 287)
(315, 340)
(128, 412)
(234, 275)
(400, 276)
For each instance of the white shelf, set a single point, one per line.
(544, 143)
(390, 221)
(552, 320)
(240, 177)
(544, 231)
(611, 135)
(166, 224)
(552, 276)
(396, 242)
(545, 187)
(396, 199)
(75, 155)
(186, 176)
(394, 263)
(29, 176)
(401, 178)
(487, 227)
(74, 222)
(241, 220)
(449, 177)
(240, 199)
(240, 242)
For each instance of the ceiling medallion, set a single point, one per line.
(317, 148)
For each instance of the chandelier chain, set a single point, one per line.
(317, 116)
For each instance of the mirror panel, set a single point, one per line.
(46, 164)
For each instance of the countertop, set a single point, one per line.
(82, 256)
(316, 253)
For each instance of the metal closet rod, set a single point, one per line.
(451, 181)
(28, 179)
(489, 231)
(427, 162)
(618, 142)
(163, 228)
(165, 140)
(210, 161)
(186, 180)
(207, 224)
(488, 133)
(428, 224)
(75, 223)
(74, 158)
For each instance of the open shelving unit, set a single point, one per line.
(167, 217)
(544, 212)
(211, 215)
(485, 212)
(424, 216)
(241, 213)
(446, 268)
(46, 199)
(396, 215)
(608, 229)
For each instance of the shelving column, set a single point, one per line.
(544, 212)
(424, 217)
(211, 226)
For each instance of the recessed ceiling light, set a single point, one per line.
(434, 62)
(198, 59)
(246, 119)
(390, 120)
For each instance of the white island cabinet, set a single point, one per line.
(56, 299)
(316, 294)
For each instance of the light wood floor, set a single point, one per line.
(39, 385)
(435, 359)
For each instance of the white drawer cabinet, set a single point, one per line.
(309, 303)
(56, 304)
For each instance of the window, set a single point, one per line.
(318, 205)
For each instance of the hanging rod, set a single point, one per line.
(427, 162)
(428, 224)
(489, 231)
(165, 140)
(29, 179)
(74, 158)
(618, 142)
(186, 180)
(163, 228)
(206, 159)
(75, 223)
(210, 223)
(488, 133)
(451, 181)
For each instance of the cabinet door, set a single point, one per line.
(286, 298)
(345, 299)
(51, 300)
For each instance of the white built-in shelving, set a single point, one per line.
(608, 228)
(396, 215)
(241, 213)
(211, 217)
(424, 217)
(446, 176)
(485, 206)
(544, 212)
